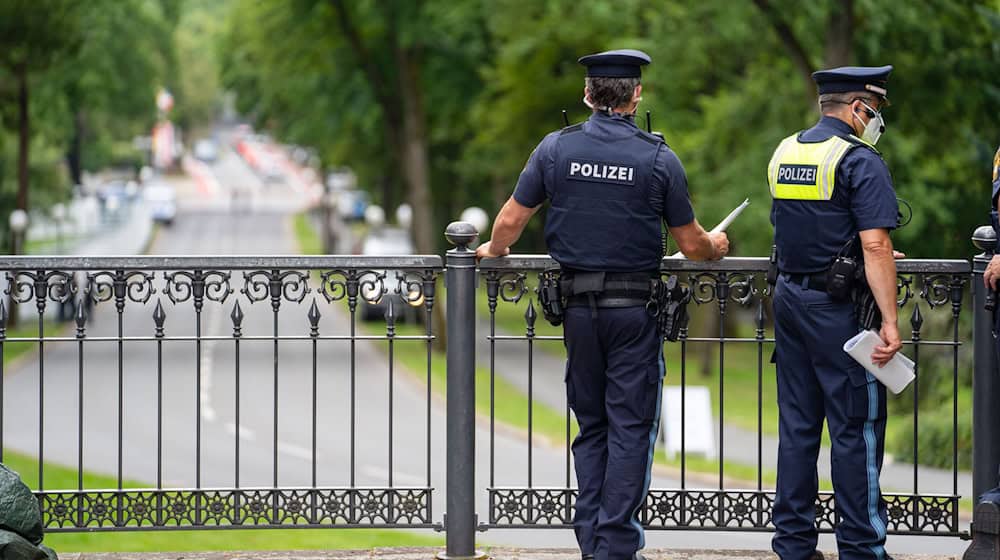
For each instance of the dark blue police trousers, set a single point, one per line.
(614, 378)
(817, 380)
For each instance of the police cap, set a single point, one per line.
(623, 63)
(853, 78)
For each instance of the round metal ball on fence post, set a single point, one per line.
(460, 519)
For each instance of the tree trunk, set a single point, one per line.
(794, 48)
(839, 34)
(24, 137)
(413, 148)
(74, 153)
(500, 191)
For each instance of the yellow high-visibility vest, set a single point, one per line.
(807, 171)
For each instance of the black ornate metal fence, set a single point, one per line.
(158, 338)
(245, 391)
(733, 286)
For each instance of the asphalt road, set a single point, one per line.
(209, 223)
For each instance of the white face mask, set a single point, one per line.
(875, 127)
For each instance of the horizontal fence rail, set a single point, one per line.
(234, 389)
(732, 295)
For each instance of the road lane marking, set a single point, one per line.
(246, 434)
(397, 476)
(208, 362)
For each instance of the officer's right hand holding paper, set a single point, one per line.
(895, 375)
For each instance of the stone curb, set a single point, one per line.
(429, 554)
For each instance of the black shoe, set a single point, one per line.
(816, 556)
(587, 557)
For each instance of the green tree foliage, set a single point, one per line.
(729, 80)
(77, 83)
(379, 86)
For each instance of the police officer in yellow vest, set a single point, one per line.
(833, 202)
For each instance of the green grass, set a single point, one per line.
(309, 241)
(14, 350)
(59, 477)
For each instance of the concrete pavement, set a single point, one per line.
(428, 554)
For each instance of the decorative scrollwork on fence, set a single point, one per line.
(936, 289)
(505, 285)
(335, 285)
(42, 286)
(372, 285)
(183, 285)
(133, 285)
(722, 287)
(413, 286)
(276, 285)
(904, 289)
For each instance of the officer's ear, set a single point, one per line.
(859, 108)
(637, 93)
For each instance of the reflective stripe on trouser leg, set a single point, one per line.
(871, 453)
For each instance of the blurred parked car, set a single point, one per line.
(351, 204)
(162, 202)
(206, 150)
(113, 196)
(382, 242)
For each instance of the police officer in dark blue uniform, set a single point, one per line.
(833, 197)
(610, 186)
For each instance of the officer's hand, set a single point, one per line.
(992, 273)
(898, 254)
(721, 243)
(892, 344)
(485, 251)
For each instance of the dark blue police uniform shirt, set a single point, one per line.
(809, 233)
(668, 192)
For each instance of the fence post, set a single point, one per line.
(460, 495)
(985, 412)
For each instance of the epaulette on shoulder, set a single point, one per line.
(651, 138)
(859, 143)
(571, 129)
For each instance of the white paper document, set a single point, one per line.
(723, 225)
(895, 375)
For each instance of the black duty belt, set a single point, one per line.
(602, 300)
(815, 281)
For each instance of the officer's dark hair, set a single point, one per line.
(611, 92)
(828, 102)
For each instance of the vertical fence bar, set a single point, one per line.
(916, 321)
(985, 381)
(159, 316)
(40, 294)
(492, 291)
(3, 373)
(722, 292)
(314, 317)
(460, 515)
(529, 333)
(81, 333)
(237, 317)
(429, 284)
(390, 335)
